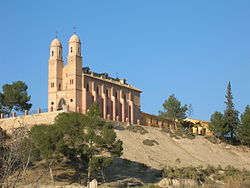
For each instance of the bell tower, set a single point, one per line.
(74, 74)
(55, 68)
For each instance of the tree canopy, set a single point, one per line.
(243, 132)
(85, 139)
(14, 97)
(217, 124)
(230, 114)
(225, 125)
(173, 109)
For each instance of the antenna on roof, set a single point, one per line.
(117, 75)
(74, 29)
(56, 34)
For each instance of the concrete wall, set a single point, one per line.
(29, 120)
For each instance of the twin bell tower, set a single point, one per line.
(65, 82)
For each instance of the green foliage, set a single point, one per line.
(188, 172)
(173, 109)
(14, 97)
(137, 129)
(150, 142)
(178, 161)
(208, 175)
(243, 132)
(44, 141)
(87, 140)
(230, 114)
(217, 124)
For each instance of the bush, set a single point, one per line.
(150, 142)
(178, 161)
(188, 172)
(137, 129)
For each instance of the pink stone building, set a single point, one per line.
(78, 88)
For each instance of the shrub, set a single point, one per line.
(188, 172)
(137, 129)
(150, 142)
(178, 161)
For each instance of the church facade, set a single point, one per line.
(77, 87)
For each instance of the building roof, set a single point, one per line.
(105, 77)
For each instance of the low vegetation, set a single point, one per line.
(207, 175)
(150, 142)
(137, 129)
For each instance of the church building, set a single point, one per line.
(77, 87)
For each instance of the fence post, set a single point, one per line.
(39, 110)
(138, 122)
(13, 114)
(26, 112)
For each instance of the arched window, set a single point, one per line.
(61, 103)
(59, 53)
(107, 92)
(59, 87)
(87, 87)
(52, 53)
(71, 49)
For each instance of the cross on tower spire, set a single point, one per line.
(56, 33)
(74, 29)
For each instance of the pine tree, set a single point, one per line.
(173, 109)
(217, 125)
(243, 133)
(230, 114)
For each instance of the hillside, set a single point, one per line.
(181, 152)
(142, 163)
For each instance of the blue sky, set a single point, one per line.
(187, 48)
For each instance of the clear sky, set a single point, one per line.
(190, 48)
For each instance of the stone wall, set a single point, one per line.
(29, 120)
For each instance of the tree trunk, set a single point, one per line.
(51, 173)
(103, 177)
(89, 171)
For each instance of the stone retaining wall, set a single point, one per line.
(28, 120)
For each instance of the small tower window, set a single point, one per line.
(71, 49)
(59, 53)
(52, 53)
(59, 87)
(52, 84)
(71, 81)
(71, 100)
(78, 50)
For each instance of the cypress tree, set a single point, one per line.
(230, 114)
(243, 133)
